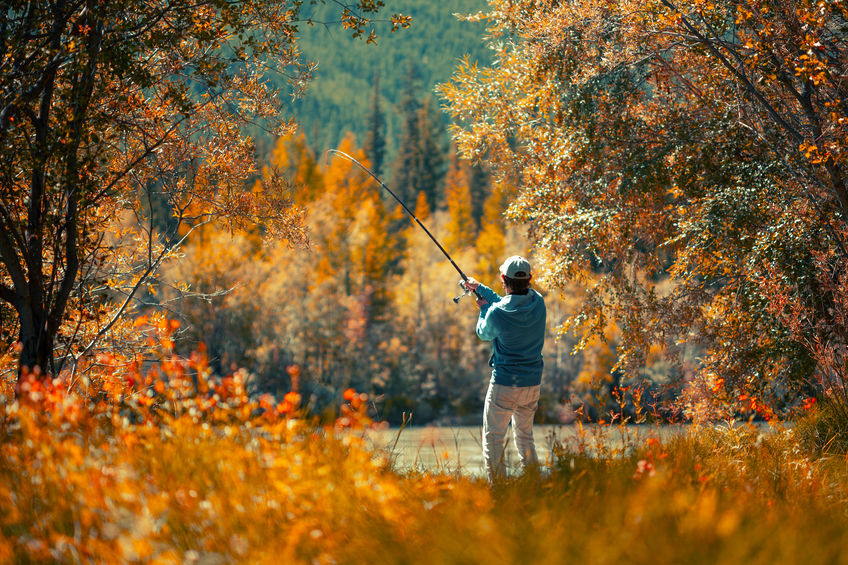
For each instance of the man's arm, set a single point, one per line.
(482, 290)
(487, 294)
(487, 327)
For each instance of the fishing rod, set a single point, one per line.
(408, 211)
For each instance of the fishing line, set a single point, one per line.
(408, 211)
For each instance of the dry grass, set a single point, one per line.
(175, 467)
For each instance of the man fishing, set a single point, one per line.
(515, 324)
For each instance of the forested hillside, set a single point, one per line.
(338, 99)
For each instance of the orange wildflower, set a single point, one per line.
(265, 402)
(292, 398)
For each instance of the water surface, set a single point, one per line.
(457, 450)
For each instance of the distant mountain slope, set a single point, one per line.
(338, 98)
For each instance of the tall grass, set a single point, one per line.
(207, 475)
(824, 431)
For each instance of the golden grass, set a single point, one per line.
(203, 474)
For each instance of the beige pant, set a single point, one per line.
(505, 404)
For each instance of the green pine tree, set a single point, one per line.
(375, 137)
(420, 162)
(405, 164)
(430, 152)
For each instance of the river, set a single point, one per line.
(457, 450)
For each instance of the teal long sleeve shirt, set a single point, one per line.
(515, 324)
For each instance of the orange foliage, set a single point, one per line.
(128, 135)
(685, 162)
(168, 463)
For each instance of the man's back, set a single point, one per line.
(516, 326)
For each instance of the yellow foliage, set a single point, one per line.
(599, 358)
(293, 157)
(460, 227)
(490, 245)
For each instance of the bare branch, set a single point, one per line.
(151, 267)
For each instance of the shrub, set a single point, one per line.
(824, 429)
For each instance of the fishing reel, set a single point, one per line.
(465, 292)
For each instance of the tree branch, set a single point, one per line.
(129, 297)
(8, 295)
(12, 261)
(83, 100)
(709, 44)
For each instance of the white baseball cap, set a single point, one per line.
(516, 267)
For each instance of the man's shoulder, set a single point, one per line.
(538, 297)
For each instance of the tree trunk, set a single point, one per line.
(37, 341)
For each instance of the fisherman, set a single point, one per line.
(515, 324)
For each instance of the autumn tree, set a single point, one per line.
(294, 159)
(120, 106)
(461, 230)
(491, 241)
(701, 142)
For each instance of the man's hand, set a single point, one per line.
(469, 284)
